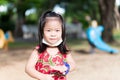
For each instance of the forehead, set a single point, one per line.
(54, 23)
(52, 18)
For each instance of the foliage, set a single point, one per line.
(74, 10)
(80, 9)
(6, 23)
(3, 2)
(32, 19)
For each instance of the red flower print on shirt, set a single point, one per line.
(46, 61)
(57, 75)
(58, 60)
(38, 66)
(45, 69)
(46, 57)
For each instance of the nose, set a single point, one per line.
(53, 33)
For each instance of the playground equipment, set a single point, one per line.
(5, 38)
(95, 38)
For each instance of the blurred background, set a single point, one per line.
(20, 18)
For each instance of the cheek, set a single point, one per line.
(45, 35)
(60, 35)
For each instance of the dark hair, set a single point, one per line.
(62, 47)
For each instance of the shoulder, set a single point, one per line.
(37, 47)
(69, 54)
(66, 54)
(35, 50)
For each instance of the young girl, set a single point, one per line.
(51, 59)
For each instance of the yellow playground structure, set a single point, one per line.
(5, 38)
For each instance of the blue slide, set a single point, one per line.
(94, 37)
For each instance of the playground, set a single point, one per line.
(98, 66)
(91, 28)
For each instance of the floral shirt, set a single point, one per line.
(46, 60)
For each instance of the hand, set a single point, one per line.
(48, 77)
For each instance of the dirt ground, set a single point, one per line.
(98, 66)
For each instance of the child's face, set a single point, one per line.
(52, 31)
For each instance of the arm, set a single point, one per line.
(30, 67)
(70, 61)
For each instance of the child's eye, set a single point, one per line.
(48, 30)
(57, 30)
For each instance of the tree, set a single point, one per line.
(23, 5)
(6, 22)
(74, 9)
(107, 18)
(117, 17)
(79, 9)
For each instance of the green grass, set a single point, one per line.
(116, 34)
(77, 43)
(72, 43)
(22, 45)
